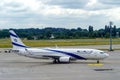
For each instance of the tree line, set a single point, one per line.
(62, 33)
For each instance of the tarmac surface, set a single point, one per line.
(15, 67)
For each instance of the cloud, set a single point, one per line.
(110, 2)
(58, 13)
(74, 4)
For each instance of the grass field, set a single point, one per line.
(6, 43)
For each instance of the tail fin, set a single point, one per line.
(16, 41)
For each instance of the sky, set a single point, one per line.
(59, 13)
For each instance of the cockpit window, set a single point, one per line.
(101, 52)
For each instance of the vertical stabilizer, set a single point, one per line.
(16, 41)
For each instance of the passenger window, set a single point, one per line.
(78, 51)
(89, 52)
(15, 51)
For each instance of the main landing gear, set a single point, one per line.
(56, 61)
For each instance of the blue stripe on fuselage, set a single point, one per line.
(19, 45)
(67, 53)
(13, 35)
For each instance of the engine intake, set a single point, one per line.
(64, 59)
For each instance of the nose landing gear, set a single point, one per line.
(98, 61)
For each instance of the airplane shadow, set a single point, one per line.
(28, 63)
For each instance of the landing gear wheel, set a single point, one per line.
(98, 61)
(56, 61)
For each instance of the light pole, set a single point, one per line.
(111, 23)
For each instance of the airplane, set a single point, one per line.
(59, 55)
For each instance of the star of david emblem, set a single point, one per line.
(15, 40)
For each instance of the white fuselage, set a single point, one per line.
(84, 54)
(58, 54)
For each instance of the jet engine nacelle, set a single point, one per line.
(64, 59)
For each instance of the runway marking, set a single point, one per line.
(103, 69)
(95, 64)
